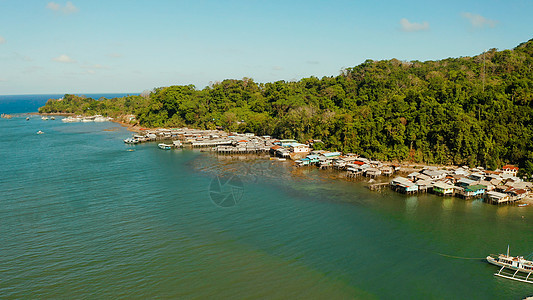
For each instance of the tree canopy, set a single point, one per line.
(468, 110)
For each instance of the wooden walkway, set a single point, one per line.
(378, 186)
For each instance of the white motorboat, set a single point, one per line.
(131, 141)
(71, 119)
(100, 118)
(520, 267)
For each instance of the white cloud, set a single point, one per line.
(67, 9)
(411, 27)
(2, 40)
(53, 6)
(63, 58)
(70, 8)
(479, 21)
(95, 66)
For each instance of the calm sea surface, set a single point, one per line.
(30, 103)
(83, 217)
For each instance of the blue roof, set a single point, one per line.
(313, 156)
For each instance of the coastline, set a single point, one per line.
(404, 167)
(49, 114)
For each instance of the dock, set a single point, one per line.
(495, 187)
(210, 143)
(378, 186)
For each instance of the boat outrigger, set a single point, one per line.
(518, 264)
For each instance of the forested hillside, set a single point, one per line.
(469, 110)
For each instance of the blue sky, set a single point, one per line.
(95, 46)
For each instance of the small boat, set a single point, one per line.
(44, 118)
(70, 119)
(52, 118)
(40, 132)
(130, 150)
(518, 265)
(27, 118)
(100, 118)
(523, 204)
(164, 146)
(131, 141)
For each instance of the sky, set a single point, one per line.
(116, 46)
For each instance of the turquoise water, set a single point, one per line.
(82, 217)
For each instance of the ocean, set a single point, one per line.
(10, 104)
(83, 215)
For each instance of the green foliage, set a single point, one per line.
(469, 110)
(87, 106)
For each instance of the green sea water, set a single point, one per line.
(82, 217)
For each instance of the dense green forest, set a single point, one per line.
(468, 110)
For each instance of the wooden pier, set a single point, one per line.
(240, 150)
(378, 186)
(354, 174)
(210, 143)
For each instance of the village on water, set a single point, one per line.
(501, 186)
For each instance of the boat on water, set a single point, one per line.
(70, 119)
(512, 267)
(100, 118)
(522, 204)
(27, 118)
(52, 118)
(95, 118)
(164, 146)
(40, 132)
(44, 118)
(131, 141)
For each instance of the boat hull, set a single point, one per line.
(518, 271)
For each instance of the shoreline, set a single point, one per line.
(404, 167)
(49, 114)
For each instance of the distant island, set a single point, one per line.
(474, 111)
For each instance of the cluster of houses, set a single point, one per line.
(215, 140)
(496, 187)
(289, 149)
(353, 164)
